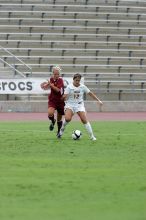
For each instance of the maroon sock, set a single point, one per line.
(59, 124)
(51, 118)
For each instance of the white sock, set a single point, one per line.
(89, 129)
(64, 123)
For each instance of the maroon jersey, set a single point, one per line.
(56, 96)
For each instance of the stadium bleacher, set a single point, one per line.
(96, 38)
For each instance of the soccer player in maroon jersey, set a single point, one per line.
(55, 101)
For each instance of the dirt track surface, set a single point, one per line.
(92, 116)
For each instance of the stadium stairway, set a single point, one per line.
(103, 40)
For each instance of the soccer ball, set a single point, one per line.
(76, 135)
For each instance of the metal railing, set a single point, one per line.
(13, 66)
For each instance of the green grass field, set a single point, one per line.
(43, 178)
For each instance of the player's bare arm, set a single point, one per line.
(55, 88)
(64, 97)
(95, 98)
(47, 85)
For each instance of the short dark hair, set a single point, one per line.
(77, 75)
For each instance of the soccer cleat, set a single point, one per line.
(51, 127)
(93, 138)
(60, 133)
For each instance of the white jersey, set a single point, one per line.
(76, 94)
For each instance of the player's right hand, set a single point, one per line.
(44, 85)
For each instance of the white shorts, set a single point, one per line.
(76, 108)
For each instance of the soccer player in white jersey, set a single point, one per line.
(74, 103)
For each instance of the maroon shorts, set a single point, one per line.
(59, 106)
